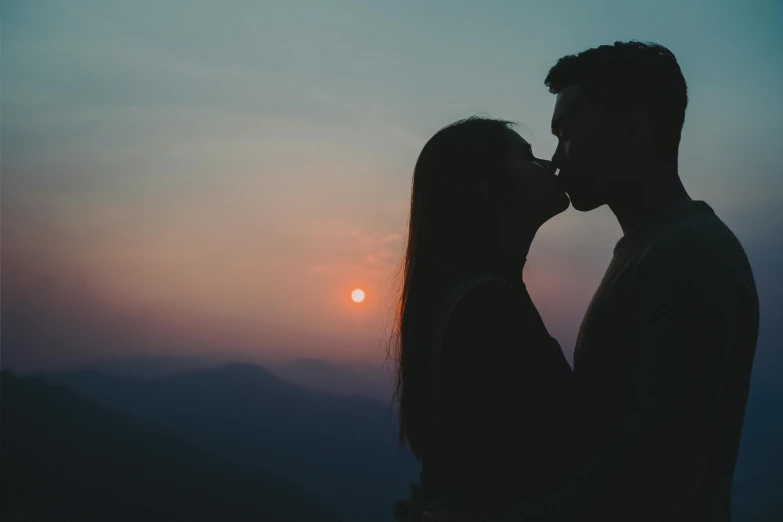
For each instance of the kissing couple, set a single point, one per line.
(646, 425)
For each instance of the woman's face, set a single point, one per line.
(535, 196)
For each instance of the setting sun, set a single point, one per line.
(357, 295)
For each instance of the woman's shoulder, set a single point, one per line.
(489, 312)
(498, 318)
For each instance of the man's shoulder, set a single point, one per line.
(701, 246)
(699, 237)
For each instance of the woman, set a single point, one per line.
(481, 386)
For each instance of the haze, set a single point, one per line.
(215, 182)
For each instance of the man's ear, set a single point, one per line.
(637, 126)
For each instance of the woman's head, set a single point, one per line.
(478, 192)
(478, 197)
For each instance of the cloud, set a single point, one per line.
(392, 238)
(53, 315)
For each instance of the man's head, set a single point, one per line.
(618, 116)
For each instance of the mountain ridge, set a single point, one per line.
(67, 458)
(341, 447)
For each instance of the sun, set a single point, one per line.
(357, 295)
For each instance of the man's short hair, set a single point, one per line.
(627, 76)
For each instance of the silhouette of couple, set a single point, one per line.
(647, 425)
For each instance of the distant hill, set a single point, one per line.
(65, 458)
(341, 448)
(342, 378)
(149, 366)
(371, 380)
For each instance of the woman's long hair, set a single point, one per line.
(460, 175)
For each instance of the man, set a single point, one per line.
(663, 359)
(664, 354)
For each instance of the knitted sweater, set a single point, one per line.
(662, 369)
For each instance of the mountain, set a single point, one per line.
(65, 458)
(341, 448)
(149, 366)
(341, 378)
(371, 380)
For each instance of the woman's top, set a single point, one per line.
(501, 406)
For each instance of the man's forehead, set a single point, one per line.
(568, 101)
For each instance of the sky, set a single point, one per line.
(189, 179)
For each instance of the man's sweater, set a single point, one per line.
(662, 369)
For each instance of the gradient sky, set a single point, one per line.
(184, 178)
